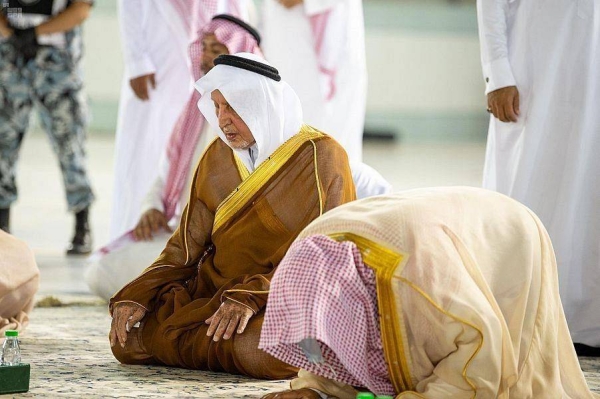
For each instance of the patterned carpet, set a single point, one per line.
(69, 354)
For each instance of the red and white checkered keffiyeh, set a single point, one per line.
(186, 133)
(323, 290)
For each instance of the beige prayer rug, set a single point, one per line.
(69, 353)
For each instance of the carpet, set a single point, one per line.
(69, 353)
(70, 356)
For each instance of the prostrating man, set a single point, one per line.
(19, 281)
(540, 62)
(200, 305)
(40, 63)
(431, 293)
(122, 260)
(158, 83)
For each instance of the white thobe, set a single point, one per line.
(154, 41)
(368, 182)
(289, 45)
(548, 160)
(110, 273)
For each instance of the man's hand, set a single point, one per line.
(140, 84)
(125, 315)
(151, 222)
(231, 315)
(504, 103)
(290, 3)
(303, 393)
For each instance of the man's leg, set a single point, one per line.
(237, 355)
(15, 108)
(63, 112)
(156, 343)
(240, 355)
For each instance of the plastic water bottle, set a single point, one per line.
(11, 352)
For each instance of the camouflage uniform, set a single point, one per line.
(53, 83)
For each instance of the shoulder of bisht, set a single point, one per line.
(263, 174)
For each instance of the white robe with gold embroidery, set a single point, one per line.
(474, 288)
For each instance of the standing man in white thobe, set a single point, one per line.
(319, 48)
(157, 84)
(541, 63)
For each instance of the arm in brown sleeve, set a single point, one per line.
(252, 292)
(178, 261)
(334, 174)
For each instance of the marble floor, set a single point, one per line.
(40, 216)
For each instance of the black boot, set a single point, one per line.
(586, 351)
(82, 240)
(5, 219)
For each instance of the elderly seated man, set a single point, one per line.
(431, 293)
(200, 305)
(19, 281)
(125, 258)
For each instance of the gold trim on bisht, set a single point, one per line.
(317, 180)
(384, 262)
(265, 171)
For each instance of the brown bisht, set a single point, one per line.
(234, 232)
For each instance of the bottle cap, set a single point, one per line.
(365, 395)
(11, 333)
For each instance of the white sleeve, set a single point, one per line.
(312, 7)
(493, 37)
(137, 60)
(368, 182)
